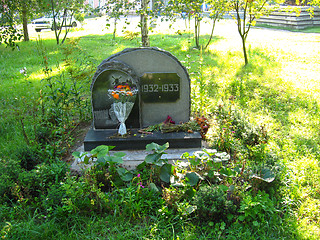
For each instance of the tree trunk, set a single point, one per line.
(25, 25)
(244, 50)
(197, 31)
(54, 22)
(114, 29)
(211, 35)
(144, 24)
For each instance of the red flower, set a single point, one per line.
(169, 120)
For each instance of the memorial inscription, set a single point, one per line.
(160, 87)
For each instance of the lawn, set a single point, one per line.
(264, 116)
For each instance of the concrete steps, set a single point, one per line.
(292, 19)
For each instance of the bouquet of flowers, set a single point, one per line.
(123, 100)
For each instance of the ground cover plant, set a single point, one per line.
(258, 180)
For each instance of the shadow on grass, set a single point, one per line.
(257, 87)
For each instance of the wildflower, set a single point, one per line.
(23, 70)
(140, 184)
(138, 175)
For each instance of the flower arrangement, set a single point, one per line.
(123, 100)
(123, 92)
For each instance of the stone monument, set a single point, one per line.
(163, 85)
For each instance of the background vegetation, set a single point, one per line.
(264, 124)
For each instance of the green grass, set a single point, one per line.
(279, 89)
(306, 30)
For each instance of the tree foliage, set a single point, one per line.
(62, 10)
(118, 8)
(115, 9)
(9, 34)
(195, 9)
(246, 14)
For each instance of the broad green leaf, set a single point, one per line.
(156, 147)
(153, 187)
(152, 146)
(190, 192)
(210, 152)
(199, 154)
(214, 165)
(119, 154)
(86, 159)
(223, 187)
(152, 158)
(76, 154)
(114, 159)
(163, 147)
(211, 173)
(195, 161)
(185, 155)
(192, 178)
(141, 166)
(255, 223)
(265, 175)
(102, 150)
(124, 174)
(227, 172)
(165, 172)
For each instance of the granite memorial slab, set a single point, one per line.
(161, 75)
(163, 87)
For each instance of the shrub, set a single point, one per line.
(233, 119)
(32, 184)
(9, 172)
(257, 210)
(28, 157)
(213, 204)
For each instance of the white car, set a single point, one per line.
(47, 23)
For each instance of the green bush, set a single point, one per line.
(28, 157)
(232, 119)
(135, 202)
(213, 204)
(32, 184)
(257, 210)
(9, 172)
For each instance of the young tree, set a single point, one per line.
(217, 8)
(115, 9)
(62, 12)
(194, 9)
(246, 13)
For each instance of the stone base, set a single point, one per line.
(138, 141)
(133, 158)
